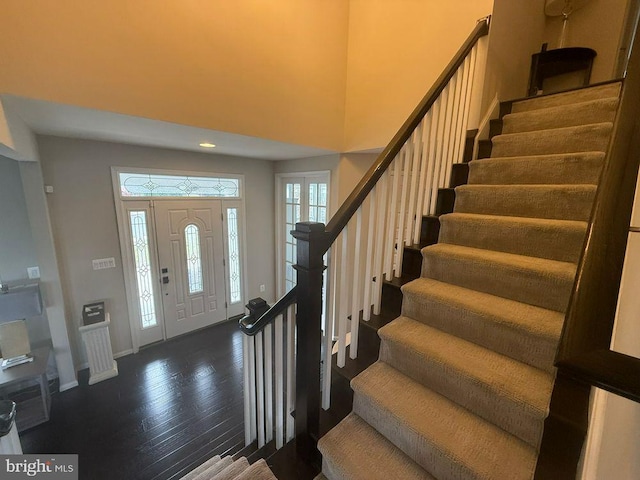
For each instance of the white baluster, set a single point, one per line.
(368, 271)
(472, 67)
(279, 380)
(260, 388)
(249, 399)
(412, 211)
(429, 198)
(423, 188)
(268, 381)
(343, 293)
(381, 226)
(458, 151)
(356, 295)
(392, 216)
(290, 321)
(447, 158)
(406, 170)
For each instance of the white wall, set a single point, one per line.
(84, 221)
(50, 278)
(397, 49)
(517, 32)
(271, 69)
(597, 25)
(16, 243)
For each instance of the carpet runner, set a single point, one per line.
(463, 382)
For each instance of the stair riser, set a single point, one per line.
(543, 289)
(487, 331)
(544, 170)
(459, 174)
(478, 398)
(567, 98)
(562, 243)
(429, 231)
(445, 201)
(527, 201)
(391, 302)
(560, 117)
(411, 263)
(591, 138)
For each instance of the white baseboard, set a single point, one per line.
(123, 353)
(68, 386)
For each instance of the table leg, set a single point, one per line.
(44, 393)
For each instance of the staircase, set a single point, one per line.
(226, 468)
(462, 385)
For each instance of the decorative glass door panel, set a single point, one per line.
(191, 257)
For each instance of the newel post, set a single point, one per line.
(310, 238)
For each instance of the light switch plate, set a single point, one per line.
(102, 263)
(33, 272)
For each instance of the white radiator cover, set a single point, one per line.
(99, 352)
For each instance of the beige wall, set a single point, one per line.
(397, 49)
(84, 220)
(272, 69)
(16, 243)
(597, 25)
(517, 32)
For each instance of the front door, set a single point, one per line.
(191, 260)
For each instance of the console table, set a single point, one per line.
(33, 411)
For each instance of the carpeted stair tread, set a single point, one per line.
(559, 202)
(503, 391)
(582, 113)
(567, 98)
(354, 450)
(536, 281)
(198, 470)
(520, 331)
(233, 470)
(564, 168)
(257, 471)
(445, 439)
(583, 138)
(535, 237)
(214, 469)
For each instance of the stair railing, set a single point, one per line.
(365, 240)
(584, 356)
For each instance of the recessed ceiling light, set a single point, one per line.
(207, 145)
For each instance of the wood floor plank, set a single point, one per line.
(173, 406)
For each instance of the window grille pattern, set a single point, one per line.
(293, 201)
(142, 261)
(194, 259)
(154, 185)
(234, 255)
(318, 202)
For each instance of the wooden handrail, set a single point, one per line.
(269, 316)
(360, 192)
(584, 352)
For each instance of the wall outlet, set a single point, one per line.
(262, 288)
(102, 263)
(33, 272)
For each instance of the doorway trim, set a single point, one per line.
(126, 254)
(280, 180)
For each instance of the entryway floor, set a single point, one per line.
(172, 406)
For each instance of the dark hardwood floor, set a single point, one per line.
(172, 406)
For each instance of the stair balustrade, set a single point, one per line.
(287, 347)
